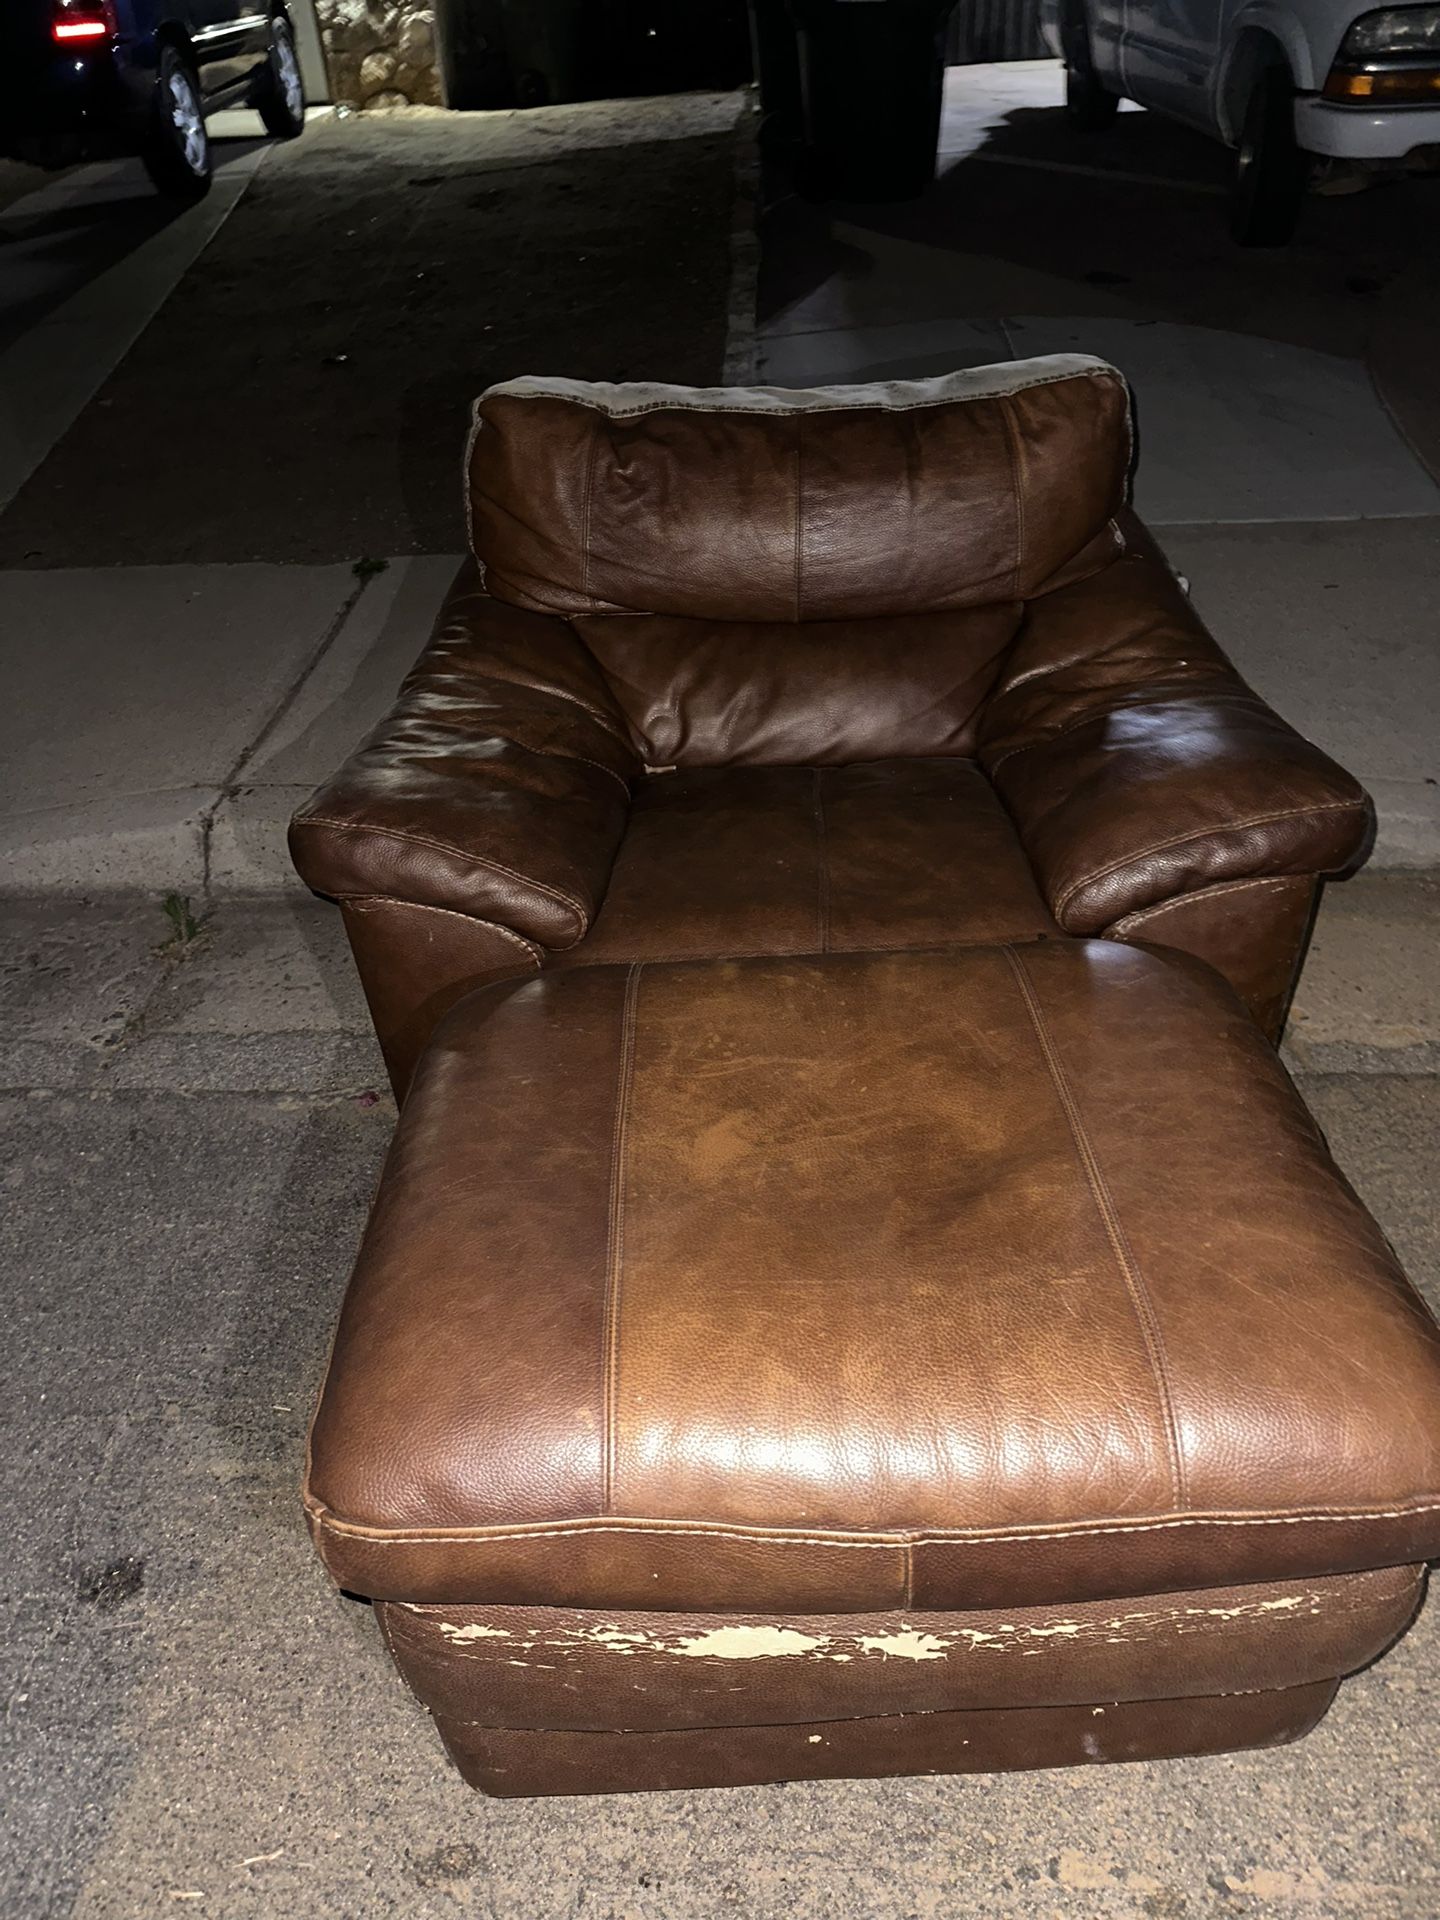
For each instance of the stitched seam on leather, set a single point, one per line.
(680, 1530)
(1129, 1267)
(1012, 442)
(615, 1238)
(458, 853)
(940, 1617)
(600, 767)
(1144, 915)
(560, 753)
(1142, 854)
(537, 954)
(927, 945)
(822, 867)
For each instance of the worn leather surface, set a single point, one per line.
(868, 1281)
(1253, 931)
(506, 1761)
(571, 1668)
(730, 693)
(416, 962)
(906, 853)
(1137, 765)
(498, 786)
(904, 498)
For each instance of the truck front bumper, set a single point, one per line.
(1364, 133)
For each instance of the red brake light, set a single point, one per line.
(83, 21)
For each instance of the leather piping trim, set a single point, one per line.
(1141, 1303)
(1407, 1589)
(1141, 854)
(947, 390)
(321, 1516)
(1133, 922)
(466, 854)
(615, 1237)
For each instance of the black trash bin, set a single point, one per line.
(872, 73)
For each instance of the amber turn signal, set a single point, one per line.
(1394, 87)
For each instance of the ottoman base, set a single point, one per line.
(508, 1762)
(575, 1700)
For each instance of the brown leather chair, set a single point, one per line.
(813, 1347)
(854, 669)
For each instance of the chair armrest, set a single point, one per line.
(1138, 766)
(497, 787)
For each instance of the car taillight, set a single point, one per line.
(82, 20)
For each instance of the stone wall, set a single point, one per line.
(380, 53)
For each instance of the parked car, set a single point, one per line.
(80, 79)
(1286, 83)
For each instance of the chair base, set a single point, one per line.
(508, 1762)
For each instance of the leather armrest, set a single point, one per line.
(497, 787)
(1138, 766)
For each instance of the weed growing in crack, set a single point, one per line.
(185, 928)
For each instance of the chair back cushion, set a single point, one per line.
(766, 504)
(781, 577)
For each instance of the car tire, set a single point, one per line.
(176, 152)
(1088, 103)
(280, 97)
(1271, 170)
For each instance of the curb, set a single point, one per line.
(742, 324)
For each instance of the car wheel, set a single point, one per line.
(1088, 104)
(280, 97)
(177, 149)
(1270, 169)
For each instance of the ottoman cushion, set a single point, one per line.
(956, 1279)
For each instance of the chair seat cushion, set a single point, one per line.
(977, 1278)
(726, 861)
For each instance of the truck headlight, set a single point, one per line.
(1394, 33)
(1389, 58)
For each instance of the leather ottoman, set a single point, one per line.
(871, 1363)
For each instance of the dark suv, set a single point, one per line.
(80, 79)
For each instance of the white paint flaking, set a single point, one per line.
(747, 1643)
(907, 1642)
(909, 1645)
